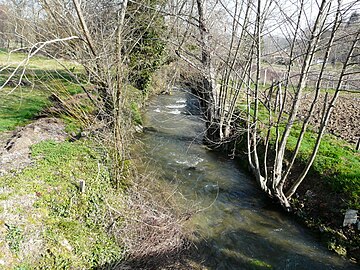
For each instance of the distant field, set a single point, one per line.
(41, 62)
(275, 72)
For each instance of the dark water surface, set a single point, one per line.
(239, 229)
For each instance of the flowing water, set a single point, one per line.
(237, 229)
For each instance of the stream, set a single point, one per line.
(238, 228)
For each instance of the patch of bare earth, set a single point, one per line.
(15, 154)
(20, 221)
(344, 121)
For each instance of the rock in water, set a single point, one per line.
(211, 188)
(350, 217)
(149, 129)
(139, 129)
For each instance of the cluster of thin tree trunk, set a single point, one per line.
(232, 87)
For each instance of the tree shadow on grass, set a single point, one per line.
(36, 75)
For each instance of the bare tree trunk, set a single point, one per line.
(118, 100)
(257, 39)
(312, 46)
(209, 83)
(103, 86)
(84, 27)
(315, 99)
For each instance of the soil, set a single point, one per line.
(344, 121)
(15, 154)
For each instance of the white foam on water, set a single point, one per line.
(181, 101)
(175, 112)
(176, 106)
(198, 160)
(182, 162)
(190, 163)
(157, 110)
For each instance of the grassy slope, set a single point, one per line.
(45, 223)
(19, 107)
(337, 161)
(43, 75)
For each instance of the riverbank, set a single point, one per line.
(332, 184)
(321, 209)
(59, 207)
(317, 206)
(54, 201)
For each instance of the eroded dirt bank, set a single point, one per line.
(15, 146)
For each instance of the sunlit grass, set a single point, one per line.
(70, 225)
(24, 98)
(35, 62)
(20, 106)
(337, 161)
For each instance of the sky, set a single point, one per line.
(281, 12)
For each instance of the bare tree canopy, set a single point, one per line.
(237, 53)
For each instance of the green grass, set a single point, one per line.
(135, 113)
(72, 225)
(337, 161)
(36, 62)
(13, 238)
(260, 264)
(25, 103)
(20, 106)
(42, 77)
